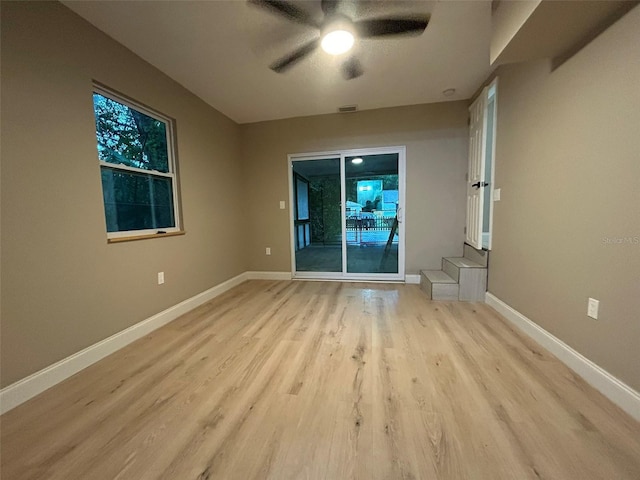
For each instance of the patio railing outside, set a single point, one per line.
(369, 223)
(369, 230)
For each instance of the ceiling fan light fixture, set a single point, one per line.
(337, 42)
(338, 31)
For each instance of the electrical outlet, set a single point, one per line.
(592, 308)
(160, 278)
(268, 251)
(282, 205)
(496, 194)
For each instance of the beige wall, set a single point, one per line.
(63, 287)
(506, 20)
(436, 138)
(568, 163)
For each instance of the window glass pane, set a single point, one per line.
(134, 201)
(129, 137)
(303, 200)
(300, 236)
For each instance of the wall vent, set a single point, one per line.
(348, 109)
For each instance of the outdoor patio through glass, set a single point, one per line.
(371, 183)
(346, 215)
(317, 230)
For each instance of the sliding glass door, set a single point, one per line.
(317, 237)
(372, 209)
(347, 214)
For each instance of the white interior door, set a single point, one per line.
(476, 174)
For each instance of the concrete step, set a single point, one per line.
(462, 262)
(451, 269)
(478, 256)
(470, 275)
(438, 285)
(452, 266)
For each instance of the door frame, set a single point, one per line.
(476, 170)
(327, 155)
(475, 230)
(342, 154)
(492, 138)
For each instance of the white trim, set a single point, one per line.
(293, 201)
(292, 213)
(19, 392)
(344, 280)
(412, 279)
(141, 233)
(401, 151)
(268, 275)
(492, 181)
(13, 395)
(105, 91)
(336, 276)
(141, 171)
(343, 212)
(172, 162)
(615, 390)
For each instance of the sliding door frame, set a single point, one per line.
(292, 206)
(343, 154)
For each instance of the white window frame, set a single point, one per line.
(171, 158)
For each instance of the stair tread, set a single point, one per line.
(437, 276)
(463, 262)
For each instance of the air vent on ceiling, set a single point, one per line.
(348, 109)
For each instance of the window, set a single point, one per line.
(137, 166)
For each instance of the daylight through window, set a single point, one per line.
(137, 165)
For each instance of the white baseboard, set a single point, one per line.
(22, 390)
(268, 275)
(615, 390)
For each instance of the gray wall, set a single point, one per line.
(63, 287)
(436, 137)
(567, 161)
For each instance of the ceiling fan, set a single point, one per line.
(338, 32)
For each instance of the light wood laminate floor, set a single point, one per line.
(318, 380)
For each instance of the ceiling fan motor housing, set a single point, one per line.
(334, 22)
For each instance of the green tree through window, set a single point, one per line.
(137, 169)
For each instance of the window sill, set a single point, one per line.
(144, 237)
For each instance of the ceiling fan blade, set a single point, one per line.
(390, 26)
(352, 68)
(286, 62)
(329, 7)
(286, 10)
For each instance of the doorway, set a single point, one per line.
(481, 175)
(347, 214)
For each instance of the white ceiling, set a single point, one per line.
(221, 51)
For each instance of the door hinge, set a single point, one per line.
(465, 230)
(466, 177)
